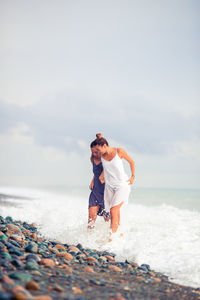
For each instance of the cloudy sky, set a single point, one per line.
(128, 69)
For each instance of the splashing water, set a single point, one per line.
(165, 237)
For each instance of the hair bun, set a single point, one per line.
(99, 135)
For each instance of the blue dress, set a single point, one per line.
(97, 194)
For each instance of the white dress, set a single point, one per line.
(117, 189)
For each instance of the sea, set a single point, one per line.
(161, 227)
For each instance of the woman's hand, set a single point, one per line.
(130, 180)
(91, 185)
(101, 178)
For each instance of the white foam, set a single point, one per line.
(165, 237)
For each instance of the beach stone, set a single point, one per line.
(34, 236)
(21, 276)
(55, 250)
(109, 258)
(20, 293)
(14, 243)
(15, 251)
(32, 247)
(6, 255)
(33, 257)
(157, 279)
(17, 263)
(103, 258)
(82, 255)
(76, 290)
(1, 246)
(115, 268)
(5, 296)
(73, 248)
(6, 279)
(17, 238)
(89, 270)
(32, 285)
(58, 288)
(32, 265)
(65, 255)
(58, 246)
(13, 228)
(3, 237)
(43, 297)
(145, 268)
(90, 258)
(66, 267)
(3, 228)
(80, 247)
(9, 219)
(73, 253)
(47, 262)
(118, 296)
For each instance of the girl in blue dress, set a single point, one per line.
(96, 198)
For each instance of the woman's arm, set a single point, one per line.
(92, 183)
(101, 177)
(123, 154)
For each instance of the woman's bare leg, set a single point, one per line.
(115, 217)
(92, 215)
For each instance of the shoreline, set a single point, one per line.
(33, 267)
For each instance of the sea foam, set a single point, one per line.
(165, 237)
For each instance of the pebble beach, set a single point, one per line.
(32, 267)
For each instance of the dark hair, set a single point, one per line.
(100, 141)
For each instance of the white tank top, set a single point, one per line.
(114, 173)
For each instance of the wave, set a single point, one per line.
(165, 237)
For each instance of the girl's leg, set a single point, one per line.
(92, 215)
(115, 217)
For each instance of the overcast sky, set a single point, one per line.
(128, 69)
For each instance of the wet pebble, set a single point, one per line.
(47, 262)
(21, 276)
(32, 247)
(32, 285)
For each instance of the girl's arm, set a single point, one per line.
(101, 177)
(122, 154)
(92, 183)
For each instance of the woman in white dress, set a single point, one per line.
(117, 183)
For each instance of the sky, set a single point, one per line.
(128, 69)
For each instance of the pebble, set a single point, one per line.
(65, 255)
(58, 288)
(13, 228)
(18, 238)
(32, 285)
(47, 262)
(88, 269)
(58, 246)
(32, 265)
(43, 297)
(76, 290)
(21, 276)
(6, 279)
(32, 247)
(21, 293)
(33, 257)
(34, 236)
(90, 258)
(115, 268)
(73, 248)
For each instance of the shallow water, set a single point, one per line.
(157, 230)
